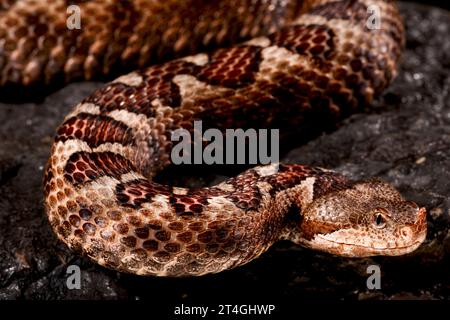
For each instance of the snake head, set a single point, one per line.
(366, 219)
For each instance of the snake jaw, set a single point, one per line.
(359, 251)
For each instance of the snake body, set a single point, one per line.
(307, 61)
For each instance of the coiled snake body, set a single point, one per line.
(310, 60)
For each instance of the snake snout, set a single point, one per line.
(417, 231)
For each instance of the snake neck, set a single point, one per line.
(299, 217)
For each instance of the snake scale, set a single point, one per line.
(296, 62)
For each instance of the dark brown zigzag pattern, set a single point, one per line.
(134, 193)
(157, 84)
(84, 167)
(232, 67)
(312, 40)
(94, 130)
(289, 176)
(345, 10)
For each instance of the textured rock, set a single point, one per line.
(404, 138)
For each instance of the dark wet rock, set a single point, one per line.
(404, 138)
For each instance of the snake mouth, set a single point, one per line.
(360, 251)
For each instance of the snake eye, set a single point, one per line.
(379, 220)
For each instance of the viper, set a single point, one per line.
(295, 63)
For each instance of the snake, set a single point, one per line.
(263, 64)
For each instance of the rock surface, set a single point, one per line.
(404, 139)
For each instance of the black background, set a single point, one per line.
(439, 3)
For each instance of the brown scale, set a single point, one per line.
(317, 42)
(284, 91)
(158, 81)
(95, 130)
(194, 201)
(232, 116)
(232, 68)
(189, 204)
(312, 40)
(344, 10)
(362, 63)
(114, 96)
(48, 180)
(157, 85)
(217, 239)
(292, 175)
(299, 90)
(246, 194)
(266, 104)
(122, 35)
(83, 167)
(136, 192)
(6, 4)
(289, 176)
